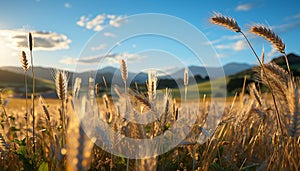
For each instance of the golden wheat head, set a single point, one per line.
(24, 61)
(224, 21)
(61, 85)
(270, 36)
(124, 71)
(186, 77)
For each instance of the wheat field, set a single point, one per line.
(258, 130)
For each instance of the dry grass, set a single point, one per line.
(225, 21)
(269, 35)
(246, 138)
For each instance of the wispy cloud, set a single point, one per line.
(110, 59)
(221, 55)
(97, 23)
(109, 34)
(99, 47)
(293, 17)
(42, 40)
(237, 46)
(286, 27)
(245, 7)
(227, 38)
(67, 5)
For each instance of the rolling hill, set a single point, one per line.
(13, 76)
(215, 72)
(236, 80)
(15, 81)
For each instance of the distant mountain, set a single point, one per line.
(235, 71)
(112, 74)
(214, 72)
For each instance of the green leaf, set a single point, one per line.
(43, 167)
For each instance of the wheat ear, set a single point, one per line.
(61, 90)
(231, 24)
(273, 38)
(124, 72)
(225, 21)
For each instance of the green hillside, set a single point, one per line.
(15, 82)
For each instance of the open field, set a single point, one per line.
(124, 127)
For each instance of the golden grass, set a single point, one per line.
(259, 131)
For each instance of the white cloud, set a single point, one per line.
(101, 20)
(67, 5)
(110, 59)
(81, 22)
(108, 34)
(99, 47)
(226, 38)
(237, 46)
(116, 21)
(42, 40)
(245, 7)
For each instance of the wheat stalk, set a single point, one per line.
(105, 84)
(294, 111)
(30, 45)
(269, 35)
(141, 99)
(273, 38)
(225, 21)
(124, 72)
(61, 85)
(186, 82)
(152, 85)
(231, 24)
(24, 61)
(2, 103)
(61, 90)
(25, 67)
(45, 109)
(97, 88)
(254, 93)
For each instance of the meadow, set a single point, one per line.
(258, 129)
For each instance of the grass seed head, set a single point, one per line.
(61, 85)
(270, 36)
(30, 41)
(224, 21)
(24, 61)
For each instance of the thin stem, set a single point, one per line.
(4, 111)
(287, 62)
(33, 106)
(26, 105)
(185, 93)
(268, 82)
(63, 123)
(252, 48)
(127, 165)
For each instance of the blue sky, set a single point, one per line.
(62, 29)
